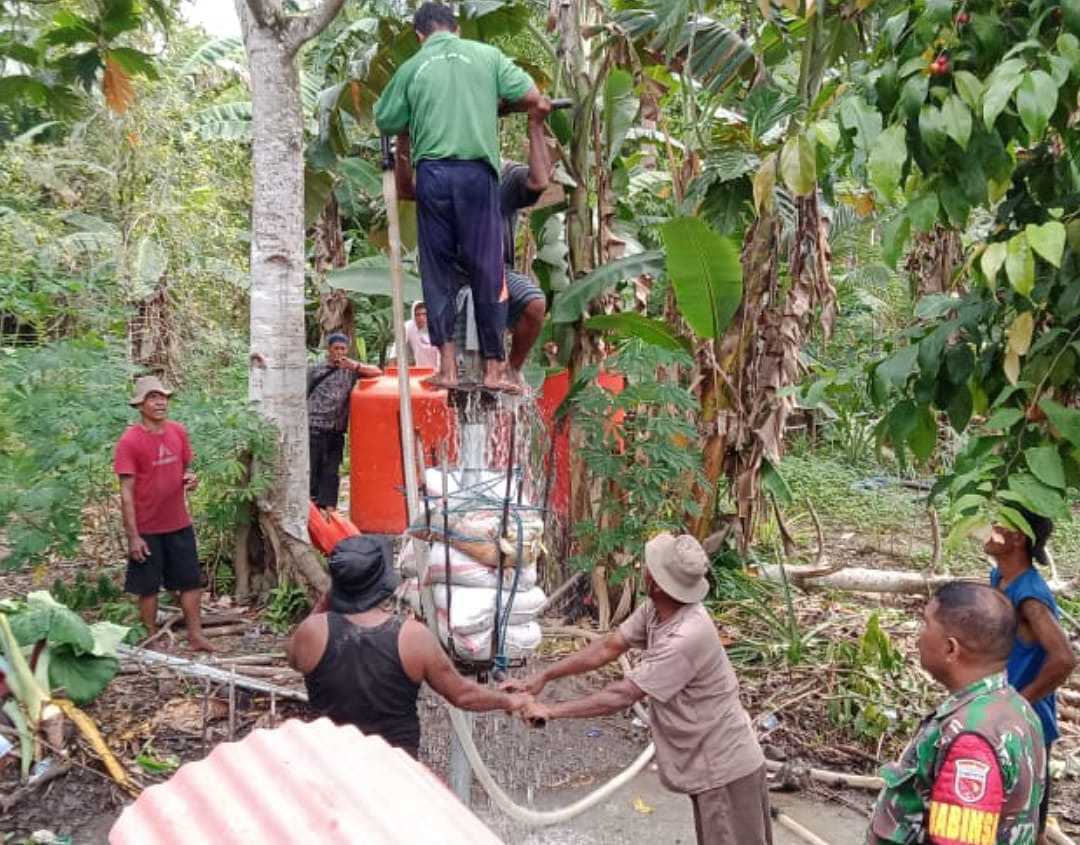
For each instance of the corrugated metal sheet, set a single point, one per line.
(304, 782)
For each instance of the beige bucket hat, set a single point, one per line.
(678, 565)
(145, 386)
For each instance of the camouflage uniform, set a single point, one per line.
(973, 774)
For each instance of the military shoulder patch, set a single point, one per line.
(970, 779)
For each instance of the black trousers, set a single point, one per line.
(325, 449)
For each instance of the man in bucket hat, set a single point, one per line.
(363, 665)
(153, 460)
(705, 745)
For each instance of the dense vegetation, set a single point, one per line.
(859, 214)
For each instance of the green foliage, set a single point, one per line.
(62, 409)
(572, 302)
(872, 672)
(288, 603)
(84, 595)
(706, 274)
(634, 444)
(57, 50)
(78, 659)
(787, 642)
(984, 128)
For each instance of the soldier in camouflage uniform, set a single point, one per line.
(973, 774)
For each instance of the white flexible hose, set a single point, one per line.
(538, 818)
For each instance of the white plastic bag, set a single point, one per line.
(464, 571)
(521, 641)
(473, 608)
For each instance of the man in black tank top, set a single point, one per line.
(363, 666)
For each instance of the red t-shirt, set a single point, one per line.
(158, 462)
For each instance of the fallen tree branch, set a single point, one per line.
(1057, 837)
(58, 770)
(863, 580)
(804, 833)
(568, 585)
(189, 668)
(857, 579)
(226, 630)
(834, 779)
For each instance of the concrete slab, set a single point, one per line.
(645, 812)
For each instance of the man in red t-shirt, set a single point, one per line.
(153, 459)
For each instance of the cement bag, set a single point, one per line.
(473, 608)
(521, 641)
(433, 482)
(487, 525)
(464, 571)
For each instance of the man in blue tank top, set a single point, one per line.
(1042, 658)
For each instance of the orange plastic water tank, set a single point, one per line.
(377, 474)
(553, 392)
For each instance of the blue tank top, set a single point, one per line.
(1027, 658)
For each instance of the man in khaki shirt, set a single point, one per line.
(705, 745)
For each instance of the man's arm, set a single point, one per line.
(536, 104)
(598, 653)
(539, 161)
(1060, 660)
(362, 370)
(442, 677)
(137, 546)
(308, 642)
(392, 113)
(968, 782)
(403, 169)
(613, 698)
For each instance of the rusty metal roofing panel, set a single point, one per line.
(304, 782)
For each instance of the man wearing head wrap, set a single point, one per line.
(1041, 659)
(705, 744)
(974, 773)
(363, 666)
(329, 384)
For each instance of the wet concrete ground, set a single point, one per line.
(669, 820)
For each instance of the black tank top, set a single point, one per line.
(360, 681)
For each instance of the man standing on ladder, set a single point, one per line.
(520, 187)
(447, 97)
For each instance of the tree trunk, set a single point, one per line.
(933, 261)
(335, 312)
(277, 376)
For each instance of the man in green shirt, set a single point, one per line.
(447, 98)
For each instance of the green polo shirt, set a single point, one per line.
(447, 96)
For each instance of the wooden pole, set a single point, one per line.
(461, 773)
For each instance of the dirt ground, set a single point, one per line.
(159, 717)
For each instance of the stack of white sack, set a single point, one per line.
(468, 587)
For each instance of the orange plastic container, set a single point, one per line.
(377, 474)
(327, 533)
(554, 390)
